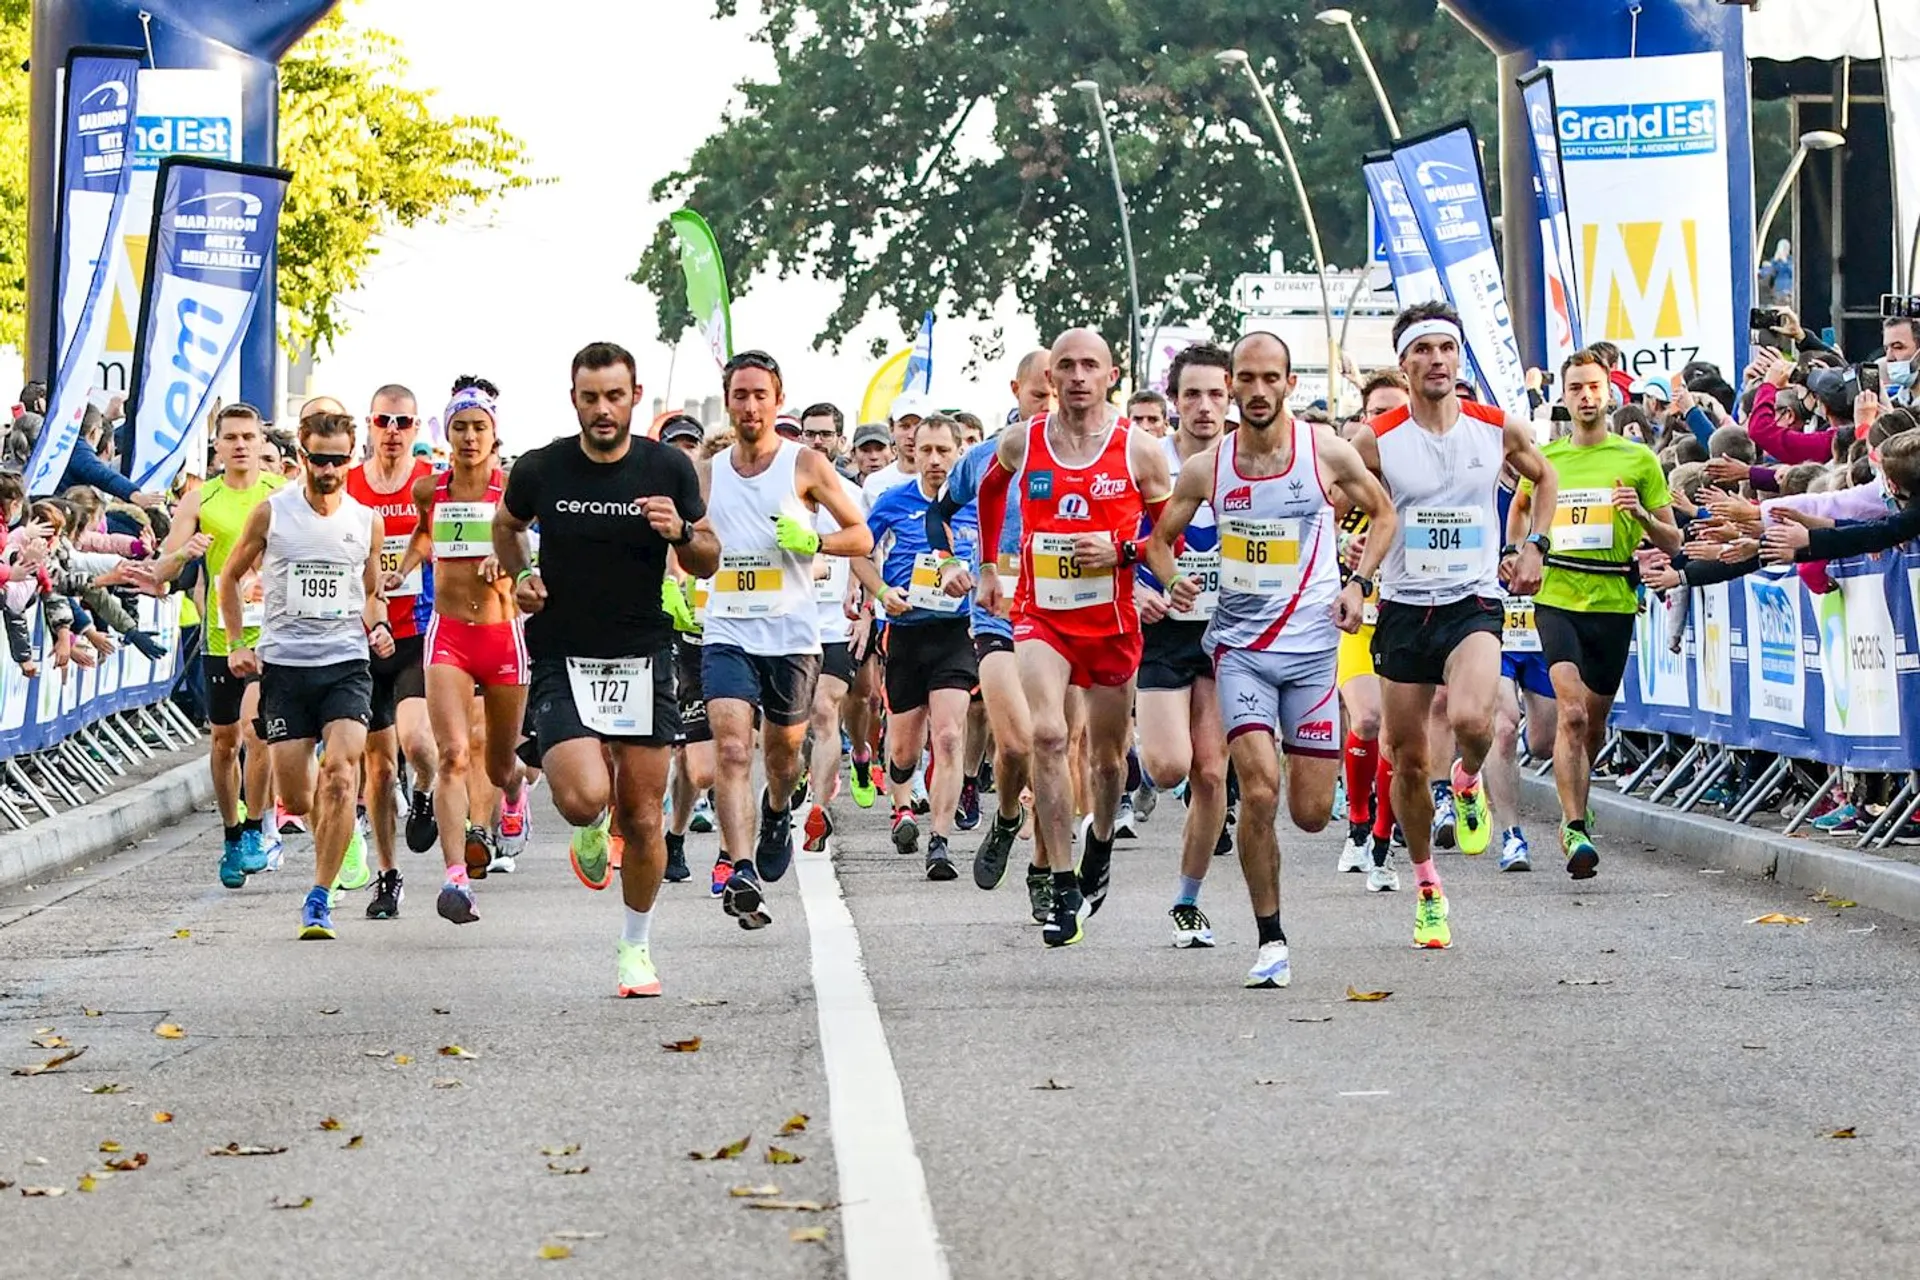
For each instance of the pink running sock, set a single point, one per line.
(1426, 874)
(1463, 781)
(457, 873)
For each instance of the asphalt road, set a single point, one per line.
(1622, 1078)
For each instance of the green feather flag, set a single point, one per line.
(706, 281)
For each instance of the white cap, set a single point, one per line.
(1652, 388)
(910, 405)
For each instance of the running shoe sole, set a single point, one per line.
(741, 897)
(455, 906)
(573, 859)
(818, 829)
(1079, 933)
(906, 836)
(1583, 863)
(942, 870)
(477, 855)
(651, 989)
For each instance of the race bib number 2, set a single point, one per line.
(1448, 543)
(613, 696)
(1059, 582)
(462, 530)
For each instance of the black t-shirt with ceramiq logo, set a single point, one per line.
(602, 562)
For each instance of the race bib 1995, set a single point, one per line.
(317, 589)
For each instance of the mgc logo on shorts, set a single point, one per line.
(1316, 733)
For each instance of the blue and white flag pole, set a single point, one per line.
(1561, 288)
(1441, 172)
(209, 264)
(918, 379)
(95, 170)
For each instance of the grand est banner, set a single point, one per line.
(1643, 144)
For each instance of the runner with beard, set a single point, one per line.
(1271, 485)
(602, 711)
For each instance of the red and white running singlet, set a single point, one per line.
(1059, 503)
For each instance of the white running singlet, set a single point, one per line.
(1444, 491)
(830, 592)
(1279, 571)
(314, 573)
(762, 596)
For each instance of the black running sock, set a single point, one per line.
(1580, 825)
(1065, 882)
(675, 841)
(1096, 847)
(233, 832)
(251, 824)
(1005, 823)
(1269, 927)
(744, 865)
(970, 780)
(1381, 849)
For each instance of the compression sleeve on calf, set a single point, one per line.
(993, 507)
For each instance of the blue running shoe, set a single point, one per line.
(1515, 853)
(316, 915)
(253, 851)
(968, 815)
(456, 903)
(233, 872)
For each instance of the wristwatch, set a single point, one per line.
(686, 534)
(1539, 540)
(1362, 581)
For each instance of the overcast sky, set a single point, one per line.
(609, 98)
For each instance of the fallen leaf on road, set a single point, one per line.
(330, 1010)
(87, 1182)
(1052, 1086)
(236, 1149)
(705, 1004)
(793, 1206)
(796, 1123)
(163, 1117)
(742, 1192)
(572, 1148)
(728, 1152)
(329, 1124)
(304, 1202)
(402, 1059)
(110, 1148)
(1776, 917)
(91, 1013)
(1841, 904)
(138, 1160)
(1325, 1017)
(170, 1031)
(808, 1235)
(776, 1155)
(1367, 996)
(443, 1012)
(554, 1252)
(183, 933)
(43, 1191)
(50, 1042)
(567, 1169)
(455, 1051)
(354, 1143)
(448, 1084)
(1844, 1133)
(106, 1088)
(1586, 982)
(51, 1064)
(377, 1053)
(1753, 1046)
(691, 1045)
(1266, 1082)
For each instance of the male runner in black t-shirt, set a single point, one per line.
(609, 504)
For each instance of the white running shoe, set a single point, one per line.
(1145, 801)
(1357, 853)
(1270, 968)
(1383, 879)
(1191, 928)
(1123, 819)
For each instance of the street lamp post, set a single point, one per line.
(1344, 18)
(1092, 90)
(1238, 58)
(1180, 282)
(1813, 140)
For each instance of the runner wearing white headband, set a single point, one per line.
(1441, 584)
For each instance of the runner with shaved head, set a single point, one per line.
(1086, 479)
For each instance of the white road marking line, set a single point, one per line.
(886, 1217)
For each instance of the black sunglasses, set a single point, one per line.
(752, 360)
(397, 421)
(328, 459)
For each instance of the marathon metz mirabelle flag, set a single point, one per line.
(706, 281)
(96, 168)
(209, 261)
(1550, 204)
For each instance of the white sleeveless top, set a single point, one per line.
(1279, 570)
(1444, 492)
(830, 591)
(762, 597)
(314, 573)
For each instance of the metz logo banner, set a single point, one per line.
(95, 170)
(210, 257)
(1408, 260)
(1441, 173)
(1646, 173)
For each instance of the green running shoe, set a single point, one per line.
(354, 873)
(588, 851)
(864, 792)
(1473, 824)
(1430, 928)
(1583, 860)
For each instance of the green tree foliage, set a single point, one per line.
(934, 156)
(368, 155)
(15, 42)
